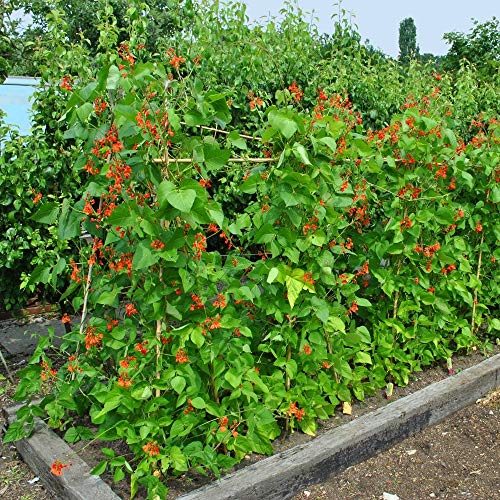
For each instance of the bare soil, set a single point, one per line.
(457, 458)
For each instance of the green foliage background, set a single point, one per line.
(331, 227)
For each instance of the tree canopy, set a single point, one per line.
(408, 48)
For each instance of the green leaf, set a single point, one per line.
(321, 309)
(273, 274)
(187, 279)
(308, 426)
(197, 337)
(84, 111)
(198, 403)
(330, 142)
(300, 153)
(144, 257)
(47, 213)
(14, 432)
(215, 157)
(291, 368)
(142, 393)
(293, 287)
(181, 200)
(236, 140)
(335, 324)
(69, 222)
(363, 357)
(178, 384)
(179, 461)
(495, 194)
(108, 298)
(362, 147)
(281, 121)
(233, 376)
(113, 78)
(99, 468)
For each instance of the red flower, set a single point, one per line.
(37, 198)
(181, 356)
(151, 449)
(66, 318)
(130, 309)
(293, 410)
(140, 347)
(124, 380)
(57, 468)
(199, 245)
(92, 338)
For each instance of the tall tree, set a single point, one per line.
(480, 46)
(408, 48)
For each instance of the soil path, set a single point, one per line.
(457, 458)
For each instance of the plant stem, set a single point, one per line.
(212, 383)
(478, 274)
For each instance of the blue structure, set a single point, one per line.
(15, 95)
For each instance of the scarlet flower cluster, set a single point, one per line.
(140, 347)
(100, 105)
(310, 226)
(199, 245)
(65, 83)
(47, 371)
(181, 356)
(92, 338)
(124, 262)
(175, 60)
(405, 223)
(158, 245)
(293, 410)
(75, 272)
(307, 278)
(57, 468)
(415, 192)
(125, 363)
(254, 101)
(296, 92)
(353, 308)
(448, 269)
(189, 408)
(197, 304)
(151, 449)
(124, 380)
(108, 144)
(220, 301)
(125, 54)
(130, 309)
(211, 324)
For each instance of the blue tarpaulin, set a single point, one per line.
(15, 95)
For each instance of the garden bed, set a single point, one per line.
(91, 453)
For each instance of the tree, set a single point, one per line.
(408, 48)
(480, 46)
(163, 17)
(7, 30)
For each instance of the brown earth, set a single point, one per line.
(457, 458)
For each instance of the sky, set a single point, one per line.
(378, 20)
